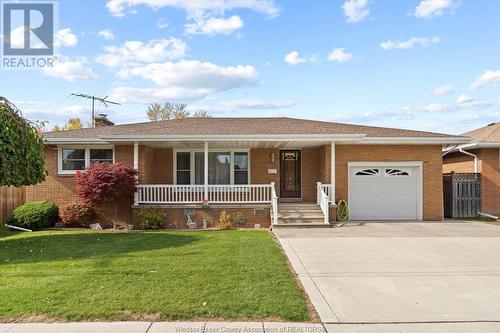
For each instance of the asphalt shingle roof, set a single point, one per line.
(235, 126)
(490, 132)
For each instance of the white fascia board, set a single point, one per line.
(414, 140)
(484, 144)
(238, 137)
(74, 141)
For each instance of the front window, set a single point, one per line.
(219, 168)
(241, 168)
(101, 155)
(183, 168)
(73, 159)
(224, 168)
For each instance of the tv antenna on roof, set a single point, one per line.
(103, 100)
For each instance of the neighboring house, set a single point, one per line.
(252, 165)
(481, 156)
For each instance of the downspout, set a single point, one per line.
(470, 154)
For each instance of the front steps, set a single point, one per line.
(300, 215)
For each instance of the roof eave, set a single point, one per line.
(416, 140)
(237, 137)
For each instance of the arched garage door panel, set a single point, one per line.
(387, 192)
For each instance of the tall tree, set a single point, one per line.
(21, 148)
(201, 114)
(168, 111)
(71, 124)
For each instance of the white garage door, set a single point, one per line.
(388, 192)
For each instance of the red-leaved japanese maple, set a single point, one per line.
(105, 182)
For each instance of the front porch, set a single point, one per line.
(236, 176)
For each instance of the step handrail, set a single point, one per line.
(323, 201)
(274, 204)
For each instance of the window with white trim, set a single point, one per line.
(73, 159)
(225, 167)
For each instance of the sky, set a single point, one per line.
(419, 64)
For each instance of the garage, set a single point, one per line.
(385, 191)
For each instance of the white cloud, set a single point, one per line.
(65, 37)
(462, 99)
(161, 23)
(30, 108)
(70, 69)
(410, 43)
(183, 80)
(432, 8)
(293, 58)
(198, 7)
(443, 90)
(486, 79)
(137, 52)
(355, 10)
(194, 74)
(339, 55)
(106, 34)
(214, 26)
(437, 107)
(254, 104)
(152, 95)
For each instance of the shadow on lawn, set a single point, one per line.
(60, 246)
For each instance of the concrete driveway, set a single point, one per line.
(399, 272)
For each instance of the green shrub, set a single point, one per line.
(34, 215)
(225, 221)
(76, 215)
(151, 218)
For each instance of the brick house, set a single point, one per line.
(480, 156)
(270, 170)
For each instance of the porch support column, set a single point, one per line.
(332, 173)
(205, 170)
(136, 167)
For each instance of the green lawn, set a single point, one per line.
(156, 275)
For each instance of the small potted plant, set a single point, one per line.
(239, 219)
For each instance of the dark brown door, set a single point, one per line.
(290, 174)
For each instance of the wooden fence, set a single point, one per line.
(10, 198)
(462, 194)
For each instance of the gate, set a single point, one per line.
(10, 198)
(462, 194)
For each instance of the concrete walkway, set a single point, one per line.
(362, 275)
(245, 327)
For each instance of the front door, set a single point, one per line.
(290, 174)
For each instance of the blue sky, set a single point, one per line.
(419, 64)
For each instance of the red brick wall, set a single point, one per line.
(253, 214)
(490, 180)
(162, 166)
(260, 162)
(311, 173)
(60, 188)
(458, 162)
(432, 169)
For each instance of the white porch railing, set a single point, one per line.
(323, 200)
(194, 194)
